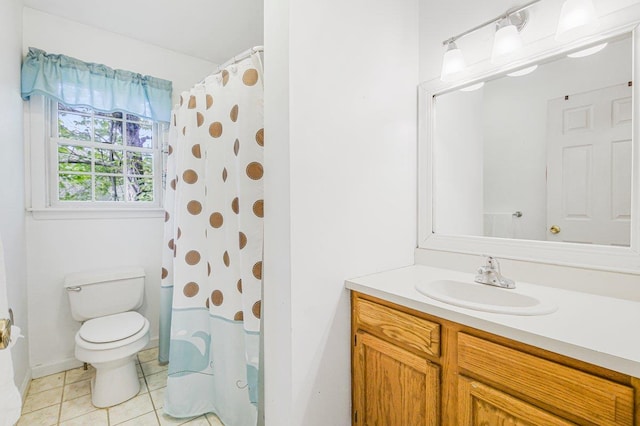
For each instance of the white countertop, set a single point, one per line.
(600, 330)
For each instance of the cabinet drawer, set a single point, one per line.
(573, 392)
(401, 328)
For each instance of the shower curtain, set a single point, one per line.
(212, 255)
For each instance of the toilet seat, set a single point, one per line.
(112, 328)
(111, 348)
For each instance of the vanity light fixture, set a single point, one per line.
(588, 51)
(577, 18)
(452, 63)
(523, 71)
(507, 40)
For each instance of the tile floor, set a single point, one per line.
(65, 399)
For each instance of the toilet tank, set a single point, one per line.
(95, 294)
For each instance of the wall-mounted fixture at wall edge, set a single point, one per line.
(577, 18)
(453, 62)
(507, 40)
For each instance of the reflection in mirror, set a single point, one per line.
(541, 156)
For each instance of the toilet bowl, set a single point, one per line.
(112, 332)
(110, 345)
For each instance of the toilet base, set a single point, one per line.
(115, 382)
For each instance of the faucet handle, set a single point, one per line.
(493, 263)
(490, 274)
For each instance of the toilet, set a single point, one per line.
(112, 332)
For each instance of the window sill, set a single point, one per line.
(54, 213)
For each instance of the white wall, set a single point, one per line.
(12, 224)
(61, 246)
(277, 353)
(343, 129)
(58, 35)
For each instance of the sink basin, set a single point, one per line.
(481, 297)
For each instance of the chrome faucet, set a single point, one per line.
(490, 274)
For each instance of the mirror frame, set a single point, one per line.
(617, 259)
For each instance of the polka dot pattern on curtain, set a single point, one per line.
(215, 202)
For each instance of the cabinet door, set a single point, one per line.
(391, 386)
(580, 396)
(481, 405)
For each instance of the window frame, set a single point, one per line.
(42, 174)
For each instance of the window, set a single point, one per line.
(82, 162)
(102, 158)
(80, 159)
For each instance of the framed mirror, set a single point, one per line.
(537, 161)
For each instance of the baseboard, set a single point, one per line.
(153, 342)
(24, 387)
(55, 367)
(68, 364)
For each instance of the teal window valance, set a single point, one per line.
(83, 84)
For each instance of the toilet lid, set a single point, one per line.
(112, 327)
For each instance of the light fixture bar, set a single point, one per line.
(491, 21)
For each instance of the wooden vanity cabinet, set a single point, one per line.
(410, 368)
(394, 379)
(401, 388)
(481, 405)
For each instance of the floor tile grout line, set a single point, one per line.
(144, 376)
(64, 382)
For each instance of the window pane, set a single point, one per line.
(96, 172)
(74, 158)
(109, 188)
(139, 163)
(82, 110)
(74, 126)
(116, 114)
(139, 134)
(74, 187)
(131, 117)
(108, 131)
(108, 161)
(139, 189)
(146, 135)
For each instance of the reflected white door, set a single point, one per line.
(589, 167)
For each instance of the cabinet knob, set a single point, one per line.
(555, 229)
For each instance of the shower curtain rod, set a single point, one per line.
(233, 60)
(239, 57)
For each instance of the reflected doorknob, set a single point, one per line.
(555, 229)
(5, 330)
(5, 333)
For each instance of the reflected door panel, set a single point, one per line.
(589, 167)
